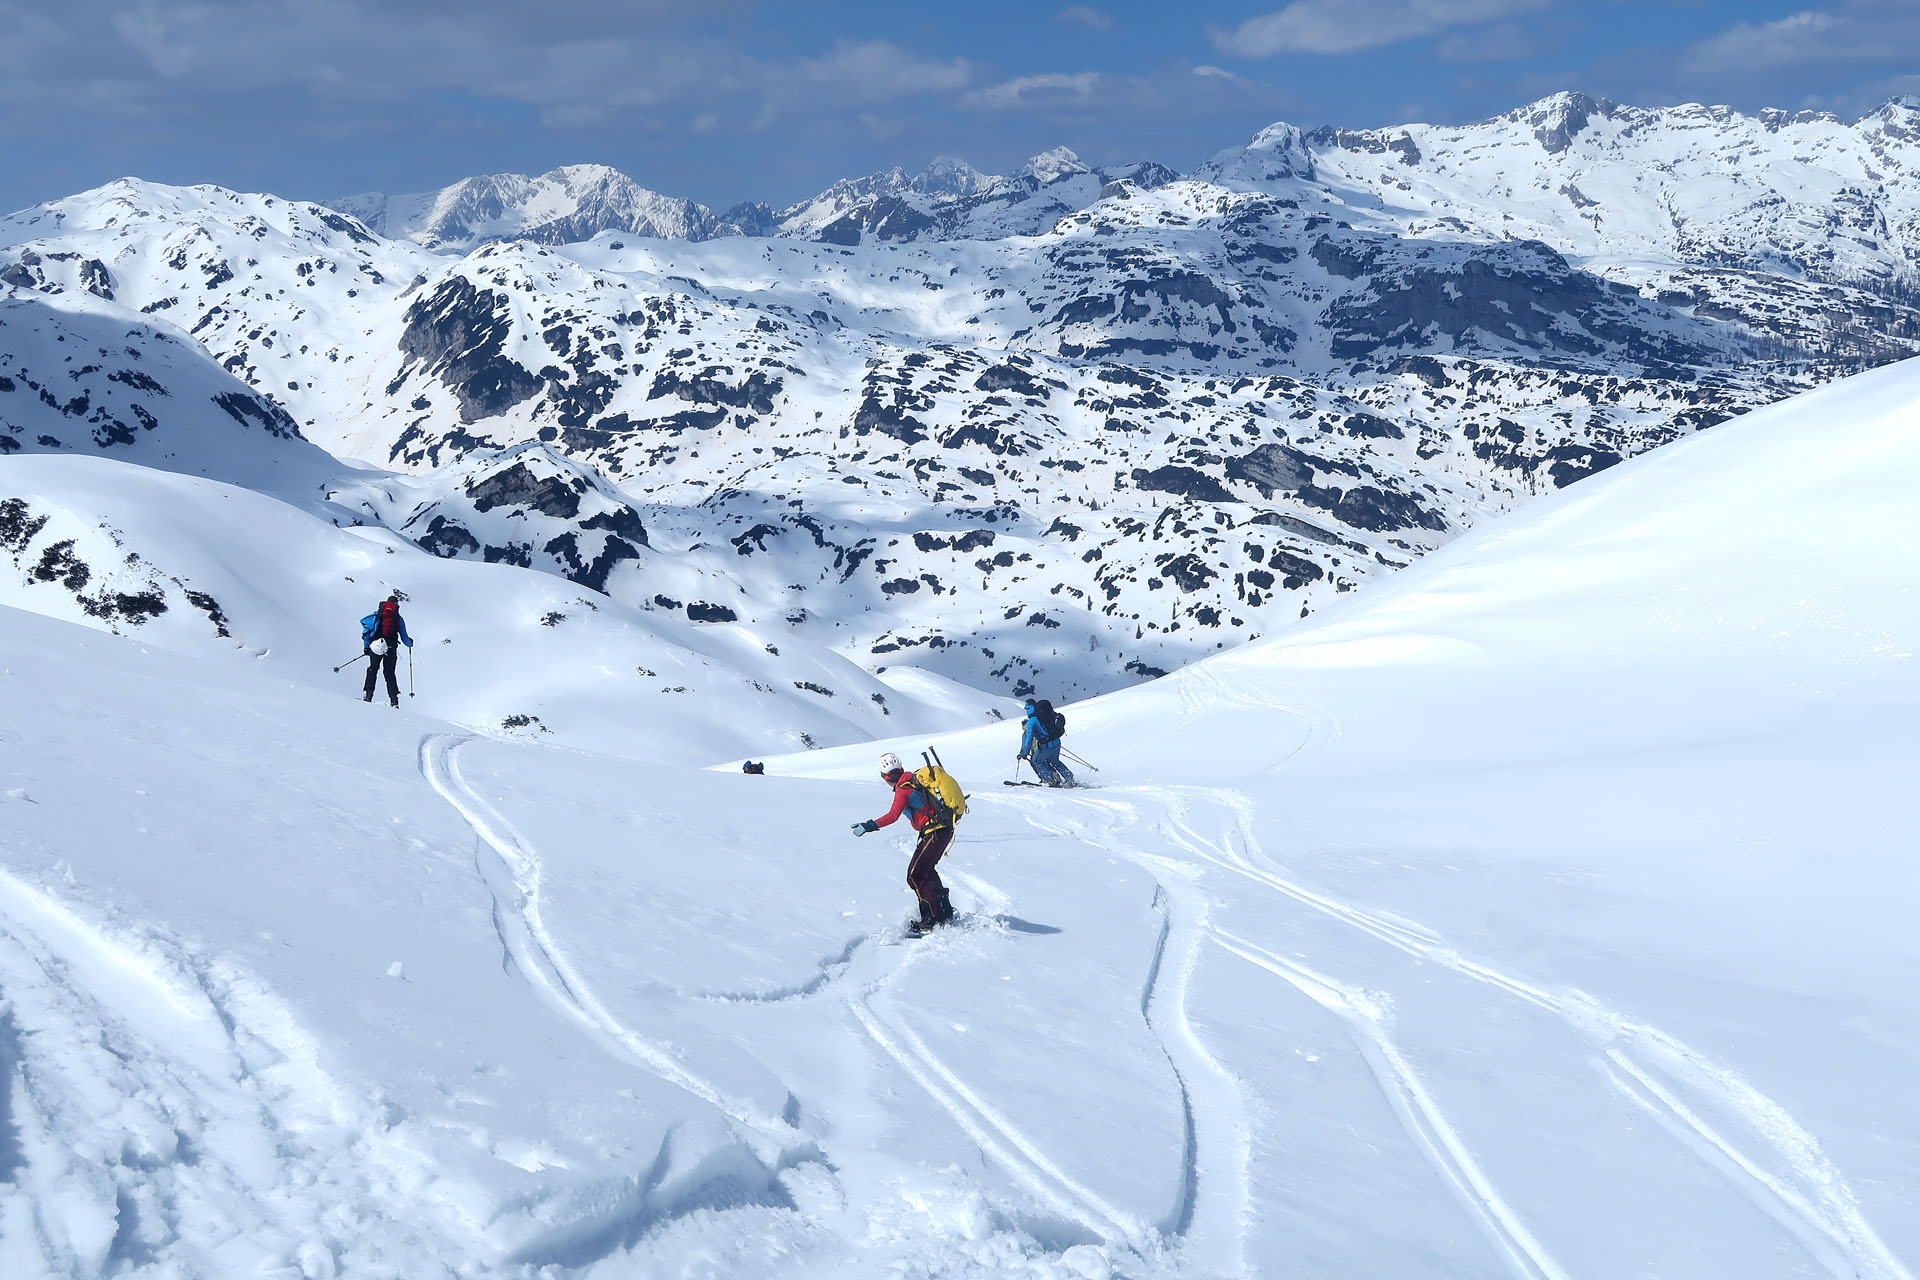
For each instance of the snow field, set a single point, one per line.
(1543, 914)
(492, 642)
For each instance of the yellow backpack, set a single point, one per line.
(937, 782)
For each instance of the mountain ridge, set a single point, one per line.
(1065, 435)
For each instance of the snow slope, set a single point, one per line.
(1541, 913)
(225, 577)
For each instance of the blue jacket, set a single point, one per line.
(372, 620)
(1036, 734)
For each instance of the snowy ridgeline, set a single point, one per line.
(1544, 912)
(1054, 432)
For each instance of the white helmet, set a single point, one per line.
(890, 765)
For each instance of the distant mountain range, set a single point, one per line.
(949, 198)
(1052, 430)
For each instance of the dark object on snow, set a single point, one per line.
(753, 767)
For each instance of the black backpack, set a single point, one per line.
(1054, 722)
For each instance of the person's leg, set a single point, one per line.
(392, 661)
(373, 673)
(1037, 761)
(921, 876)
(1046, 763)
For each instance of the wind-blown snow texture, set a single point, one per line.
(1542, 912)
(1056, 431)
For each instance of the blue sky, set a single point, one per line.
(729, 100)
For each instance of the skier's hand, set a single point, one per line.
(1023, 755)
(409, 642)
(365, 651)
(862, 828)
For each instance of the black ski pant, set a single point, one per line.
(921, 876)
(390, 659)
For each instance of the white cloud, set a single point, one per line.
(1348, 26)
(1117, 108)
(1863, 32)
(1085, 15)
(1028, 90)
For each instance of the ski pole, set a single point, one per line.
(349, 662)
(1078, 759)
(409, 671)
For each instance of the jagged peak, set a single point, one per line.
(588, 173)
(1053, 164)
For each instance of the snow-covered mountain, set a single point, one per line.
(1054, 453)
(950, 200)
(573, 202)
(1542, 911)
(1804, 194)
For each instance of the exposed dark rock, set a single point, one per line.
(1373, 509)
(1189, 572)
(1184, 481)
(517, 486)
(1006, 377)
(458, 333)
(447, 539)
(756, 392)
(1571, 462)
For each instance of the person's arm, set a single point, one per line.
(900, 797)
(404, 637)
(1026, 739)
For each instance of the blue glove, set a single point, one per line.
(862, 828)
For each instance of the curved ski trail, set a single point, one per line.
(1419, 1114)
(1210, 1220)
(1815, 1204)
(512, 874)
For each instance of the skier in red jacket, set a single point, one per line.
(935, 826)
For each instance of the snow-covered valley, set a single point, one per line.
(1058, 431)
(1540, 911)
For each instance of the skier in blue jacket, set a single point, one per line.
(382, 632)
(1040, 745)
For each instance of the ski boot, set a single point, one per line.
(944, 914)
(928, 918)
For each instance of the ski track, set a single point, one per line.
(997, 1137)
(1215, 1204)
(1814, 1203)
(1811, 1200)
(1419, 1114)
(512, 874)
(167, 1110)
